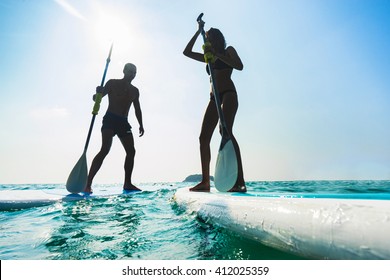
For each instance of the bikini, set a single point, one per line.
(220, 65)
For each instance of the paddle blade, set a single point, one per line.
(226, 170)
(77, 179)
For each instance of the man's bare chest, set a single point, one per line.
(122, 91)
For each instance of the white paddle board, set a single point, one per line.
(318, 226)
(20, 199)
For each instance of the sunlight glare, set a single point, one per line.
(112, 26)
(110, 29)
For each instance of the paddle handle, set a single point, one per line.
(107, 63)
(99, 95)
(98, 99)
(225, 133)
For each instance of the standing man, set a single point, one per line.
(121, 94)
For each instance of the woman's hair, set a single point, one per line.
(219, 42)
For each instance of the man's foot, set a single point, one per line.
(201, 187)
(131, 187)
(237, 188)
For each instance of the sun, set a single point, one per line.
(110, 29)
(111, 26)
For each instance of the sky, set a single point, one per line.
(314, 94)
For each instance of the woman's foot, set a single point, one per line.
(88, 190)
(201, 187)
(238, 188)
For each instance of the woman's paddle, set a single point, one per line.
(77, 179)
(226, 169)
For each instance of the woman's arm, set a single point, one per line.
(188, 49)
(231, 58)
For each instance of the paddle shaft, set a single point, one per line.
(225, 133)
(94, 114)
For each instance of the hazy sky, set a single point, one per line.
(314, 93)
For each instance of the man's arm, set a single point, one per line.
(138, 114)
(102, 90)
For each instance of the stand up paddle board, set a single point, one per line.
(318, 226)
(20, 199)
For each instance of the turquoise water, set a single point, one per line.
(146, 225)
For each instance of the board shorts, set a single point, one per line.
(118, 124)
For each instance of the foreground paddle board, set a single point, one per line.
(20, 199)
(315, 226)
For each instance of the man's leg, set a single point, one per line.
(107, 136)
(128, 144)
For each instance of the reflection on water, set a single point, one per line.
(96, 229)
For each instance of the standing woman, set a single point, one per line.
(226, 59)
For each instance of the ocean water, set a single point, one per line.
(147, 226)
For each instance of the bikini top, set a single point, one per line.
(218, 65)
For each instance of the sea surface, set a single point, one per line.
(147, 226)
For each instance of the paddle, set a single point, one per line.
(77, 179)
(226, 169)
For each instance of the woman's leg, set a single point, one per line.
(229, 108)
(210, 121)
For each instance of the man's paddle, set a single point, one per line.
(226, 169)
(77, 179)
